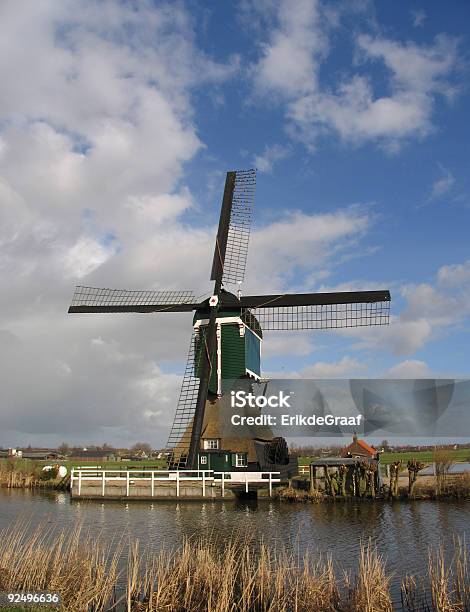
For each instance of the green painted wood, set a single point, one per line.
(233, 352)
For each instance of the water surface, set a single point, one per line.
(402, 531)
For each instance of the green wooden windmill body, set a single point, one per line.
(239, 343)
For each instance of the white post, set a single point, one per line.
(153, 483)
(270, 485)
(246, 482)
(127, 483)
(71, 478)
(177, 484)
(79, 482)
(223, 484)
(219, 359)
(203, 483)
(103, 481)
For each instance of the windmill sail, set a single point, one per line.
(94, 299)
(318, 310)
(181, 430)
(233, 235)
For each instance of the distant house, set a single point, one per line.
(359, 448)
(94, 455)
(37, 454)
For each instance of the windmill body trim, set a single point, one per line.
(228, 334)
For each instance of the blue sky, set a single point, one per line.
(414, 183)
(117, 126)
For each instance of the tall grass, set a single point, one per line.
(217, 576)
(81, 569)
(13, 476)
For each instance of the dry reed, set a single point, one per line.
(233, 575)
(82, 569)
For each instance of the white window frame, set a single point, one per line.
(240, 460)
(203, 460)
(212, 444)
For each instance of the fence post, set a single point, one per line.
(246, 482)
(223, 484)
(127, 483)
(203, 483)
(177, 484)
(153, 483)
(79, 482)
(103, 481)
(71, 478)
(270, 485)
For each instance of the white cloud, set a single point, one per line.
(286, 343)
(430, 311)
(85, 256)
(288, 63)
(443, 184)
(92, 152)
(346, 367)
(305, 244)
(410, 368)
(456, 276)
(352, 107)
(96, 124)
(271, 155)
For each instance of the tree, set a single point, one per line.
(414, 467)
(443, 463)
(385, 445)
(395, 468)
(64, 448)
(142, 447)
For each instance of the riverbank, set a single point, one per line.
(87, 574)
(14, 476)
(457, 487)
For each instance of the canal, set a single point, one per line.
(402, 531)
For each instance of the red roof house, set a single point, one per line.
(359, 448)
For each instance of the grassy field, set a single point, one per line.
(460, 455)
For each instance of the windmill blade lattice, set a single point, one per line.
(181, 431)
(233, 235)
(327, 316)
(95, 299)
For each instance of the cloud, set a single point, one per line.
(92, 152)
(271, 155)
(306, 244)
(344, 368)
(410, 368)
(419, 17)
(288, 63)
(96, 124)
(442, 185)
(286, 343)
(456, 276)
(352, 107)
(429, 312)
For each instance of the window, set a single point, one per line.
(211, 444)
(203, 460)
(240, 459)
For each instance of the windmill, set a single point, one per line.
(228, 328)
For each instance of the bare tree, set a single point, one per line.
(64, 449)
(142, 448)
(414, 467)
(443, 463)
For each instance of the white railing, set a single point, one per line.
(133, 477)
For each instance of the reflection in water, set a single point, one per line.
(402, 531)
